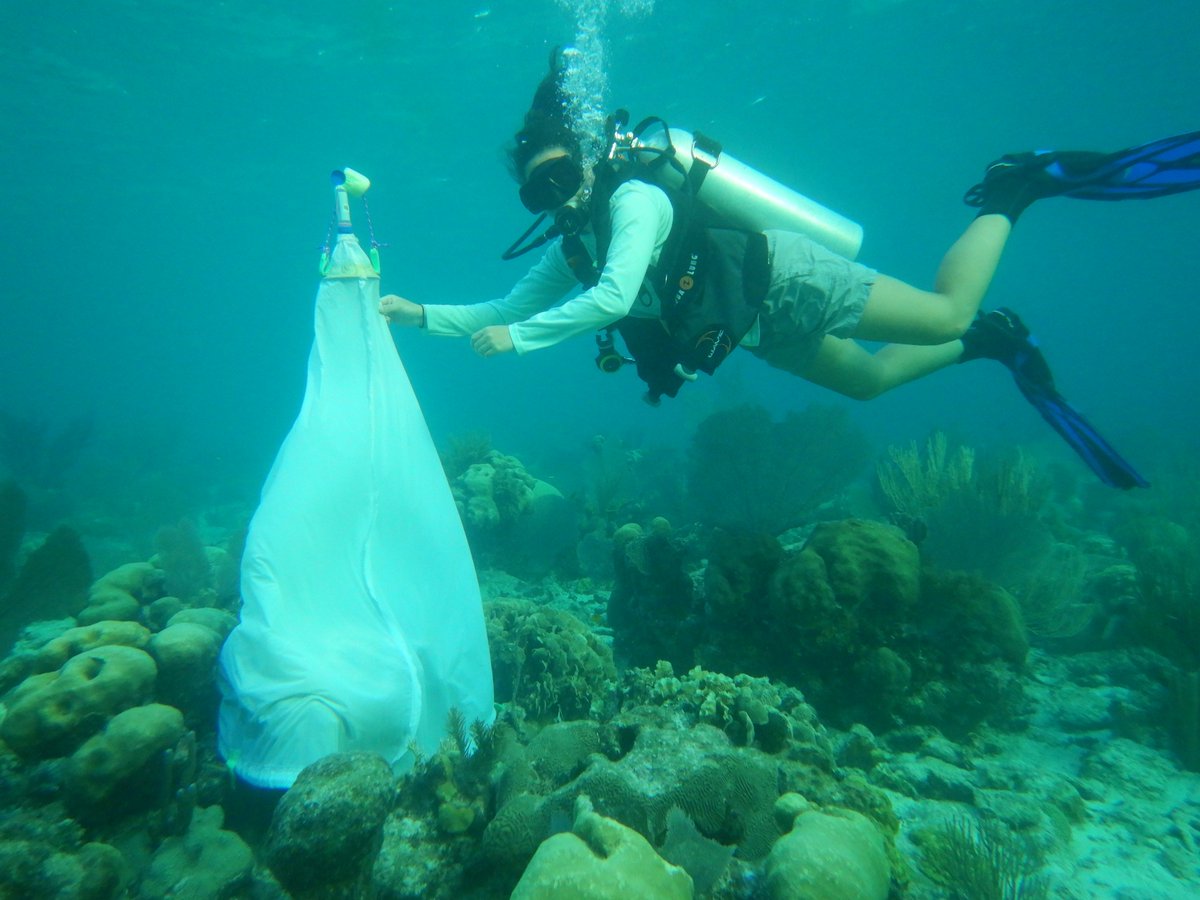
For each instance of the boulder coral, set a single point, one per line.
(600, 859)
(120, 594)
(831, 854)
(186, 654)
(206, 861)
(55, 652)
(53, 713)
(107, 761)
(328, 828)
(513, 520)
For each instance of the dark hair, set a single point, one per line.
(545, 123)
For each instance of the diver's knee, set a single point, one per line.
(949, 326)
(866, 388)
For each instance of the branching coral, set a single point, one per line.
(974, 863)
(1052, 596)
(978, 514)
(465, 450)
(914, 481)
(1167, 557)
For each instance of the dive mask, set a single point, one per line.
(551, 184)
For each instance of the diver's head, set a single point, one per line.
(553, 184)
(553, 179)
(546, 160)
(546, 124)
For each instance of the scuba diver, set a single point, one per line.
(683, 289)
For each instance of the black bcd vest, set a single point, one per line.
(711, 282)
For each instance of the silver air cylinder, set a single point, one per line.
(746, 198)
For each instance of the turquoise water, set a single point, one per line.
(167, 197)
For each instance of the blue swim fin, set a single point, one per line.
(1011, 183)
(1001, 335)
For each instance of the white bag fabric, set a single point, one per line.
(361, 623)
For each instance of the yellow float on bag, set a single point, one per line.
(361, 623)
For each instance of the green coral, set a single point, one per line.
(970, 619)
(982, 514)
(1167, 557)
(547, 661)
(42, 863)
(828, 855)
(465, 450)
(130, 756)
(976, 863)
(750, 711)
(600, 858)
(53, 713)
(121, 593)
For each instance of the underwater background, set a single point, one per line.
(167, 193)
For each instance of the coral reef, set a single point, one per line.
(826, 854)
(50, 584)
(600, 859)
(748, 472)
(652, 608)
(97, 731)
(849, 618)
(974, 862)
(328, 827)
(206, 861)
(968, 511)
(778, 705)
(513, 520)
(547, 661)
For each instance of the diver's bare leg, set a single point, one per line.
(896, 311)
(846, 367)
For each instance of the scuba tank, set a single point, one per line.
(736, 195)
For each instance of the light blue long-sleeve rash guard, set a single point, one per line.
(641, 222)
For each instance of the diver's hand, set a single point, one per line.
(492, 341)
(402, 312)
